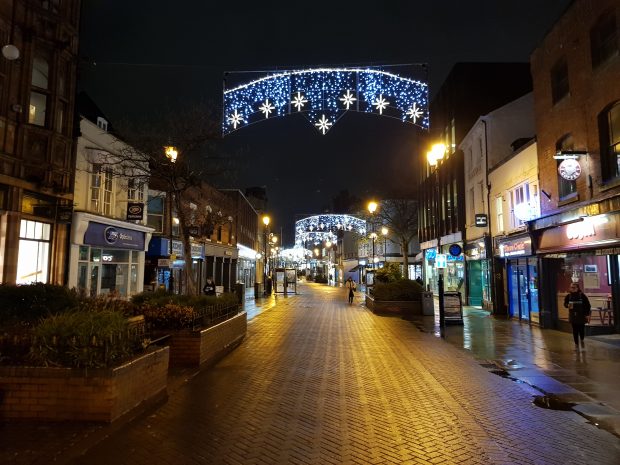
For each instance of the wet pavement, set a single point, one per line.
(320, 381)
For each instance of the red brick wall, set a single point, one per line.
(590, 92)
(200, 347)
(58, 394)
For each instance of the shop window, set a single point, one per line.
(609, 132)
(559, 80)
(33, 255)
(566, 187)
(604, 38)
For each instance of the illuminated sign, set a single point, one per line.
(569, 169)
(580, 230)
(481, 220)
(441, 260)
(515, 247)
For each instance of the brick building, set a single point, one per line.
(576, 70)
(37, 82)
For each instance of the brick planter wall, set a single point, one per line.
(196, 348)
(404, 308)
(101, 395)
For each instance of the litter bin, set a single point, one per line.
(428, 304)
(240, 291)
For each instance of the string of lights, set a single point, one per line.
(324, 95)
(318, 228)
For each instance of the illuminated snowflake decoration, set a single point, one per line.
(414, 112)
(316, 229)
(267, 108)
(323, 124)
(299, 101)
(381, 104)
(235, 119)
(347, 99)
(325, 94)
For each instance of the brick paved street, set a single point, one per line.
(318, 381)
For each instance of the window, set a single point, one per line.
(135, 190)
(101, 190)
(519, 211)
(472, 206)
(33, 256)
(38, 95)
(559, 80)
(566, 188)
(155, 208)
(102, 123)
(609, 130)
(604, 39)
(499, 213)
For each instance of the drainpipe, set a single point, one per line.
(493, 296)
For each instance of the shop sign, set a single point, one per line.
(569, 169)
(481, 220)
(591, 231)
(197, 251)
(177, 247)
(163, 263)
(64, 214)
(431, 254)
(135, 211)
(515, 247)
(113, 236)
(441, 260)
(455, 250)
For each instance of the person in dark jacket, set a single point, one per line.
(578, 312)
(351, 287)
(209, 288)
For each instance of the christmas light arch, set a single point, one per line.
(316, 229)
(324, 95)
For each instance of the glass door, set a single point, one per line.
(532, 275)
(518, 292)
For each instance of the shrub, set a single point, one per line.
(389, 273)
(169, 316)
(28, 303)
(83, 340)
(403, 289)
(104, 303)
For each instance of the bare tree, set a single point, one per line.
(400, 216)
(142, 153)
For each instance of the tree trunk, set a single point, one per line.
(404, 245)
(187, 251)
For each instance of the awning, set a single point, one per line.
(418, 258)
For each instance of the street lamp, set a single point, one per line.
(171, 154)
(437, 153)
(372, 208)
(384, 233)
(266, 221)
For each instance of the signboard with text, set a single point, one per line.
(114, 237)
(515, 247)
(481, 220)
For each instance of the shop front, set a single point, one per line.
(522, 280)
(454, 274)
(107, 256)
(246, 269)
(478, 274)
(586, 252)
(221, 265)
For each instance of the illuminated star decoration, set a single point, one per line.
(323, 124)
(348, 99)
(267, 108)
(329, 92)
(235, 119)
(299, 101)
(414, 112)
(381, 104)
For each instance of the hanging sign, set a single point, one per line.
(455, 250)
(569, 169)
(135, 210)
(481, 220)
(441, 260)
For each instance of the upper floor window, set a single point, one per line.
(101, 190)
(609, 132)
(39, 92)
(566, 187)
(102, 123)
(499, 213)
(135, 190)
(525, 204)
(604, 38)
(155, 208)
(559, 80)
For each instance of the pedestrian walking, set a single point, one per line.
(351, 287)
(209, 288)
(578, 307)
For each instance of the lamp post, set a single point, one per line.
(437, 153)
(384, 233)
(266, 221)
(171, 154)
(372, 208)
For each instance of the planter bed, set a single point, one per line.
(69, 394)
(196, 348)
(405, 308)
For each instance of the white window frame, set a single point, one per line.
(499, 213)
(101, 189)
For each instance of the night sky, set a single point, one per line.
(138, 56)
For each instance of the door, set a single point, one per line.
(532, 276)
(518, 291)
(474, 287)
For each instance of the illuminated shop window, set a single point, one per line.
(33, 255)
